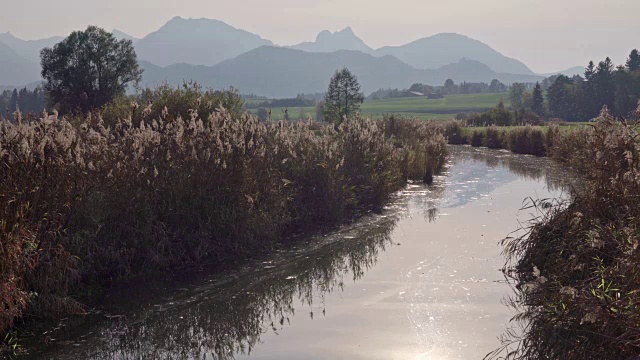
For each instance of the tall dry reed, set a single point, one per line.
(576, 270)
(84, 205)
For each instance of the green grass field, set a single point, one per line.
(418, 107)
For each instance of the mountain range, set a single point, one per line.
(219, 55)
(281, 72)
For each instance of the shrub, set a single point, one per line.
(477, 139)
(527, 140)
(454, 132)
(171, 103)
(494, 138)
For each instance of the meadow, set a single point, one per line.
(415, 107)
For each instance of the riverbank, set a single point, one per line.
(527, 140)
(85, 205)
(419, 279)
(576, 270)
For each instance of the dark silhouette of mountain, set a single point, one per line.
(281, 72)
(15, 70)
(333, 41)
(197, 42)
(446, 48)
(28, 49)
(122, 35)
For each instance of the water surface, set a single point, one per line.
(420, 281)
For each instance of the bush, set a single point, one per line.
(477, 139)
(494, 138)
(454, 132)
(526, 140)
(171, 103)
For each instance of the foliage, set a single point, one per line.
(172, 103)
(453, 130)
(537, 104)
(578, 99)
(88, 69)
(343, 97)
(27, 101)
(516, 96)
(498, 116)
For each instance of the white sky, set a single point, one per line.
(547, 35)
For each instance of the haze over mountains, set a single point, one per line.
(219, 55)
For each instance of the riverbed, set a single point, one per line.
(422, 280)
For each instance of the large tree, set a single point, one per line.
(343, 98)
(633, 62)
(605, 86)
(88, 69)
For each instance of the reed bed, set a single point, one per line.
(576, 270)
(84, 204)
(529, 140)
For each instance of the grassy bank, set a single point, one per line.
(84, 204)
(530, 140)
(421, 108)
(576, 271)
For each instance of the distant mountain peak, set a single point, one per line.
(196, 41)
(328, 41)
(446, 48)
(346, 32)
(123, 35)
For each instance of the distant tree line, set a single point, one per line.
(581, 98)
(449, 88)
(27, 101)
(299, 101)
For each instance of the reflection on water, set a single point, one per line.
(392, 284)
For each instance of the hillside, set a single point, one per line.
(196, 42)
(122, 35)
(446, 48)
(15, 70)
(282, 72)
(28, 49)
(576, 70)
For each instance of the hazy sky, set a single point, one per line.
(547, 35)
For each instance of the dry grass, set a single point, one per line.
(576, 270)
(83, 205)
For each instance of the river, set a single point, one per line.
(422, 280)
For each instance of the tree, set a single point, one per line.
(13, 102)
(496, 86)
(589, 99)
(537, 105)
(450, 86)
(517, 98)
(562, 99)
(320, 111)
(88, 69)
(625, 99)
(263, 115)
(633, 62)
(605, 84)
(343, 98)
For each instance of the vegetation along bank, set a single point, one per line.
(85, 203)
